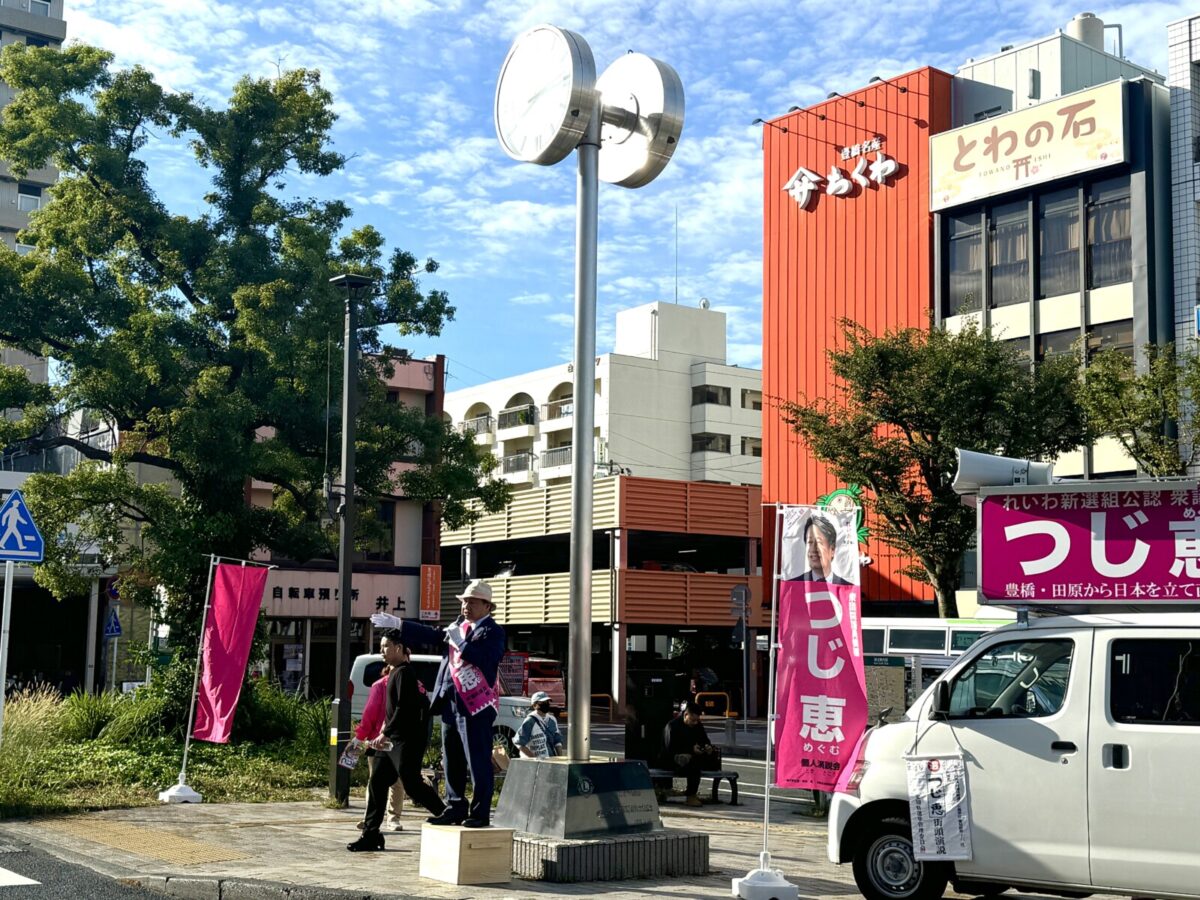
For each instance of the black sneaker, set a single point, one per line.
(476, 823)
(449, 817)
(368, 842)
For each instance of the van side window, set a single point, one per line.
(1155, 681)
(1017, 679)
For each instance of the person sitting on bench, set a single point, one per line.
(688, 750)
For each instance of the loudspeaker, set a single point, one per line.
(976, 470)
(648, 708)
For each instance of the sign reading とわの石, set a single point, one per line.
(1076, 133)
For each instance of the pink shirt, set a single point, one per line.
(374, 712)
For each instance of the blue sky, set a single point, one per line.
(414, 82)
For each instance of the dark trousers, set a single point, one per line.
(467, 749)
(385, 774)
(700, 762)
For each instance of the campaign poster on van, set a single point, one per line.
(821, 685)
(1091, 544)
(938, 807)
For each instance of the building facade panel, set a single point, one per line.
(687, 598)
(865, 255)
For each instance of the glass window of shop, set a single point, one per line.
(1058, 243)
(1008, 254)
(1110, 259)
(964, 290)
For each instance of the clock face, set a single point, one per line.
(545, 95)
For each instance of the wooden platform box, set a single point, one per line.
(466, 855)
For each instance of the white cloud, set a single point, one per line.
(531, 299)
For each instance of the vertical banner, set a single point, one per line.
(939, 807)
(821, 702)
(237, 594)
(431, 593)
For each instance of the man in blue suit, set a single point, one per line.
(465, 696)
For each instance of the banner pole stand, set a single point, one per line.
(181, 793)
(766, 883)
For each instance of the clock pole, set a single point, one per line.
(579, 659)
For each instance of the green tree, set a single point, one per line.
(1148, 411)
(206, 339)
(904, 401)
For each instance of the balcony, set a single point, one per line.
(556, 463)
(536, 599)
(517, 468)
(516, 422)
(558, 415)
(484, 429)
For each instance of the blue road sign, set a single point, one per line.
(112, 625)
(20, 540)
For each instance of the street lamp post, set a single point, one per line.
(356, 288)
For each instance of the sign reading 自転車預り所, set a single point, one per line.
(1091, 544)
(938, 808)
(20, 540)
(1076, 133)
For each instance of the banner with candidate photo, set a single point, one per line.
(821, 694)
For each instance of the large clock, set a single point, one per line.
(546, 95)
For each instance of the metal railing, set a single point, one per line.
(560, 409)
(516, 463)
(605, 699)
(559, 456)
(715, 703)
(479, 425)
(517, 415)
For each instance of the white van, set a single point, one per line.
(365, 672)
(1080, 736)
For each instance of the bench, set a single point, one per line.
(716, 775)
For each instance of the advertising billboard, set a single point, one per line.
(1064, 136)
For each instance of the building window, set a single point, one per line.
(751, 399)
(1155, 682)
(1021, 346)
(710, 443)
(29, 197)
(965, 264)
(1008, 255)
(32, 41)
(1110, 259)
(1058, 244)
(381, 546)
(393, 397)
(710, 393)
(1053, 343)
(1111, 336)
(751, 446)
(23, 249)
(39, 7)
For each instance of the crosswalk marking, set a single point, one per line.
(12, 879)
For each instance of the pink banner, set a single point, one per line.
(821, 694)
(237, 594)
(1081, 544)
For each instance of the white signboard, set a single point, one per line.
(939, 808)
(1076, 133)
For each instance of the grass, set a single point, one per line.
(106, 751)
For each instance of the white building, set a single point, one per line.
(668, 405)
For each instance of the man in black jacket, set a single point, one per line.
(406, 727)
(687, 750)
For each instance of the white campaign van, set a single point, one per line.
(1080, 738)
(365, 672)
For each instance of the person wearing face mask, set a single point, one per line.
(539, 737)
(465, 695)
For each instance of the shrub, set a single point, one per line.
(86, 715)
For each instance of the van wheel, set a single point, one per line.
(885, 869)
(502, 739)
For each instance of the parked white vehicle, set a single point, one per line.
(1080, 736)
(365, 672)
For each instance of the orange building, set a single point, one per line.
(847, 233)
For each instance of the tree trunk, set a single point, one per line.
(945, 586)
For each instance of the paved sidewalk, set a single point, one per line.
(230, 851)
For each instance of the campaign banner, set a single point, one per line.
(237, 594)
(431, 593)
(1091, 544)
(939, 808)
(821, 694)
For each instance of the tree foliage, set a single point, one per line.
(1150, 412)
(904, 401)
(207, 340)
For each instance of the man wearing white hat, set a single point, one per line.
(465, 696)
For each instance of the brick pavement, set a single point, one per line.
(261, 850)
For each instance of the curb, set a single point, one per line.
(187, 888)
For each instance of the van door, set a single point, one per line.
(1019, 710)
(1144, 796)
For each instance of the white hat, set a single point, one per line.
(539, 697)
(479, 589)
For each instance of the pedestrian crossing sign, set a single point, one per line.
(20, 540)
(112, 625)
